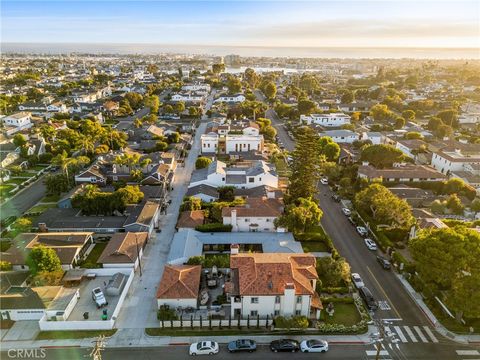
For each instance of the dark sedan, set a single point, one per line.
(284, 345)
(242, 345)
(384, 262)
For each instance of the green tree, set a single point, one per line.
(180, 107)
(234, 84)
(347, 97)
(334, 272)
(19, 140)
(381, 113)
(251, 77)
(443, 130)
(385, 207)
(269, 132)
(218, 68)
(306, 106)
(168, 109)
(153, 102)
(475, 205)
(329, 148)
(411, 135)
(434, 123)
(382, 156)
(399, 122)
(191, 204)
(42, 258)
(409, 115)
(22, 225)
(306, 165)
(454, 204)
(134, 99)
(449, 117)
(300, 215)
(202, 162)
(270, 90)
(447, 260)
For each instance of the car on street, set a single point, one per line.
(204, 348)
(357, 280)
(242, 345)
(336, 197)
(384, 262)
(368, 298)
(284, 345)
(371, 245)
(346, 212)
(324, 181)
(99, 298)
(308, 346)
(362, 231)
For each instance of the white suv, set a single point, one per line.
(99, 298)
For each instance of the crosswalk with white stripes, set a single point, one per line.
(413, 334)
(468, 354)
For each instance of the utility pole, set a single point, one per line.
(96, 353)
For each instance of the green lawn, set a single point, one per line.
(5, 190)
(5, 245)
(346, 314)
(51, 198)
(314, 246)
(38, 167)
(92, 258)
(281, 166)
(80, 334)
(26, 174)
(452, 324)
(40, 208)
(16, 181)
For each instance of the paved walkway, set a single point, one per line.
(139, 310)
(22, 330)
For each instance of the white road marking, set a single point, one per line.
(420, 334)
(400, 334)
(467, 352)
(374, 352)
(383, 305)
(430, 334)
(410, 334)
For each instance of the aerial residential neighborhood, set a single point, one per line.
(172, 203)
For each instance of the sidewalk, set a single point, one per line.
(417, 298)
(125, 338)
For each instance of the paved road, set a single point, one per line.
(20, 203)
(341, 352)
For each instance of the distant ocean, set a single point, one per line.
(295, 52)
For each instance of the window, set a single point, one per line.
(254, 313)
(267, 220)
(247, 220)
(254, 300)
(276, 313)
(251, 180)
(277, 299)
(298, 312)
(299, 299)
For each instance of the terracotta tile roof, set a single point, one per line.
(122, 248)
(191, 219)
(179, 282)
(257, 207)
(271, 273)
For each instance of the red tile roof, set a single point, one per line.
(179, 282)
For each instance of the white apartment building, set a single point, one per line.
(328, 120)
(244, 176)
(276, 284)
(225, 144)
(452, 160)
(17, 122)
(238, 98)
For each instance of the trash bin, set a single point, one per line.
(85, 315)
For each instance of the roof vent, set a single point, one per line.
(270, 285)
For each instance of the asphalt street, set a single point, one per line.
(341, 351)
(20, 203)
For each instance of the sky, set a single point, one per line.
(402, 23)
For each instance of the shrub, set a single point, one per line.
(196, 260)
(335, 290)
(345, 300)
(294, 322)
(5, 266)
(214, 227)
(165, 313)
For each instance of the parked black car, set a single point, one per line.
(336, 197)
(384, 262)
(284, 345)
(368, 298)
(242, 345)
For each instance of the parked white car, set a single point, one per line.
(307, 346)
(99, 298)
(357, 280)
(362, 230)
(204, 348)
(371, 245)
(324, 181)
(346, 212)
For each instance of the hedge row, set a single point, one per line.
(214, 227)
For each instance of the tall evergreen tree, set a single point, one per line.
(305, 165)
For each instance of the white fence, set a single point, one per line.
(46, 325)
(224, 323)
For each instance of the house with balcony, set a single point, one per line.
(326, 120)
(280, 284)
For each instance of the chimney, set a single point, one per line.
(234, 220)
(42, 227)
(234, 249)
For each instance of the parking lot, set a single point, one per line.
(86, 303)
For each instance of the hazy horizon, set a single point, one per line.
(249, 51)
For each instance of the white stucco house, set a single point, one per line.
(327, 120)
(273, 285)
(244, 176)
(17, 122)
(226, 144)
(341, 136)
(237, 98)
(179, 286)
(450, 160)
